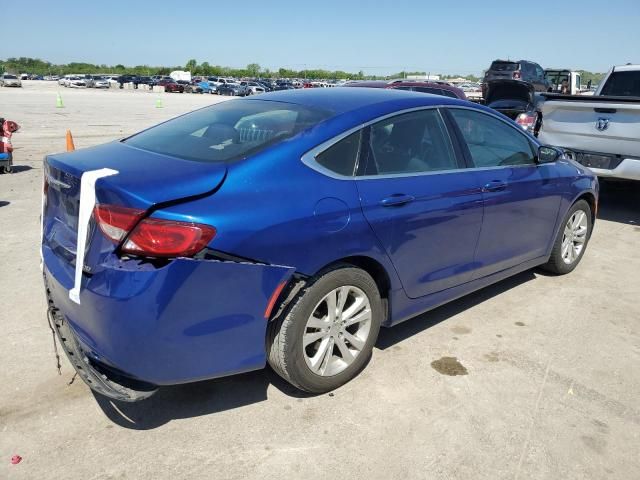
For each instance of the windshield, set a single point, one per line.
(12, 77)
(228, 131)
(504, 66)
(622, 84)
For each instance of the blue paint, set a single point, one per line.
(191, 319)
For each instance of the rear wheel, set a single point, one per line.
(326, 335)
(572, 239)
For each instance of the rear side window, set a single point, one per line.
(622, 84)
(491, 142)
(433, 91)
(499, 66)
(228, 131)
(410, 143)
(341, 157)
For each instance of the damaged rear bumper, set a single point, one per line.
(186, 321)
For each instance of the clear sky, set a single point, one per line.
(378, 37)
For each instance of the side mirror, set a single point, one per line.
(548, 154)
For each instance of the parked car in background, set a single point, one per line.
(9, 80)
(432, 88)
(269, 86)
(217, 81)
(134, 79)
(233, 89)
(145, 80)
(252, 88)
(112, 80)
(385, 204)
(421, 87)
(516, 99)
(171, 85)
(74, 81)
(600, 131)
(200, 87)
(284, 86)
(523, 70)
(96, 81)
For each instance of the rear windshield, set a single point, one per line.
(504, 66)
(228, 131)
(12, 77)
(622, 84)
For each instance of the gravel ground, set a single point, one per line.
(551, 389)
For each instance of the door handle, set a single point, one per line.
(397, 200)
(494, 186)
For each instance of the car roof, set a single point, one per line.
(626, 68)
(342, 100)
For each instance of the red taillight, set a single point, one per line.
(165, 238)
(152, 237)
(526, 120)
(516, 75)
(116, 222)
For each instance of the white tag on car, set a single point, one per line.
(87, 203)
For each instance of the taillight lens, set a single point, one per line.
(516, 75)
(165, 238)
(151, 237)
(526, 120)
(116, 222)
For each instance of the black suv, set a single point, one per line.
(523, 70)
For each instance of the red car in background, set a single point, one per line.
(434, 88)
(170, 85)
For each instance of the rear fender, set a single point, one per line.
(189, 320)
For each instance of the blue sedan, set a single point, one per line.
(289, 228)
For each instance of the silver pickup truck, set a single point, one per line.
(602, 131)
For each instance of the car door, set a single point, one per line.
(521, 197)
(424, 207)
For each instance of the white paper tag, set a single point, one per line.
(87, 203)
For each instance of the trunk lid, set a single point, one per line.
(510, 97)
(144, 180)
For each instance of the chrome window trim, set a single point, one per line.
(309, 158)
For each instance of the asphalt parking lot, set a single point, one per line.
(551, 389)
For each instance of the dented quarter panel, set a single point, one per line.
(207, 321)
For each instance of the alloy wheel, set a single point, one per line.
(574, 236)
(337, 330)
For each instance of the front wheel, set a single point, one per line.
(572, 239)
(326, 335)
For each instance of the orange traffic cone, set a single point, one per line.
(70, 146)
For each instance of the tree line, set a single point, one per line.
(37, 66)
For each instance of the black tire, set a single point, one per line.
(556, 264)
(285, 333)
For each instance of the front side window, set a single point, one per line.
(228, 131)
(491, 142)
(410, 143)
